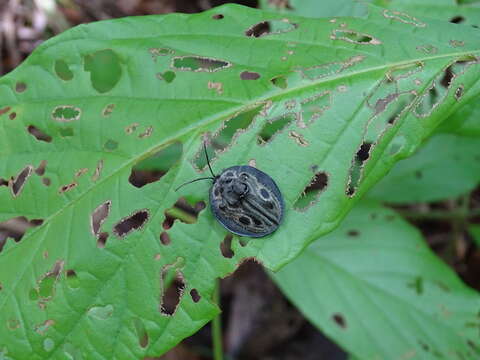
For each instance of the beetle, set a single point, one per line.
(245, 200)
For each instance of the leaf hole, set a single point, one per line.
(184, 211)
(73, 281)
(195, 295)
(173, 286)
(354, 37)
(102, 239)
(167, 76)
(98, 216)
(217, 17)
(68, 187)
(12, 115)
(141, 332)
(43, 328)
(355, 172)
(249, 75)
(226, 246)
(312, 191)
(98, 171)
(20, 87)
(339, 319)
(225, 135)
(353, 233)
(46, 285)
(66, 113)
(274, 126)
(108, 110)
(131, 223)
(40, 170)
(314, 107)
(17, 184)
(457, 19)
(280, 81)
(165, 238)
(199, 64)
(46, 181)
(39, 134)
(62, 70)
(270, 27)
(105, 69)
(15, 228)
(153, 168)
(402, 17)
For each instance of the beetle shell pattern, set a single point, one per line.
(246, 201)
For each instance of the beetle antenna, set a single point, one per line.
(189, 182)
(208, 160)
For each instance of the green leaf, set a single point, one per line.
(445, 167)
(462, 12)
(85, 111)
(464, 121)
(376, 289)
(474, 230)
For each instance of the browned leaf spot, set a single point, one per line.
(270, 27)
(427, 49)
(12, 115)
(154, 167)
(339, 320)
(217, 17)
(43, 328)
(249, 75)
(459, 92)
(457, 43)
(16, 185)
(226, 135)
(167, 76)
(5, 110)
(298, 138)
(13, 324)
(107, 111)
(68, 187)
(226, 246)
(20, 87)
(199, 64)
(98, 217)
(46, 181)
(217, 86)
(15, 228)
(312, 191)
(165, 238)
(40, 170)
(353, 233)
(172, 285)
(39, 134)
(142, 334)
(131, 223)
(354, 37)
(156, 52)
(183, 211)
(98, 171)
(274, 126)
(148, 131)
(81, 172)
(195, 295)
(130, 129)
(356, 169)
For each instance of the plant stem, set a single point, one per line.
(217, 326)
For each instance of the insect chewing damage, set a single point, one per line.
(312, 191)
(356, 169)
(15, 228)
(403, 17)
(270, 27)
(46, 285)
(321, 71)
(226, 246)
(97, 218)
(274, 126)
(133, 222)
(198, 64)
(354, 37)
(42, 328)
(39, 134)
(313, 107)
(66, 113)
(16, 184)
(155, 166)
(172, 285)
(141, 331)
(440, 87)
(226, 135)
